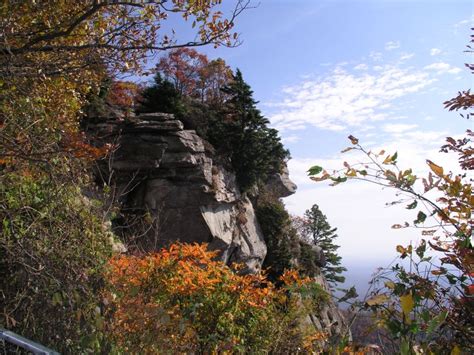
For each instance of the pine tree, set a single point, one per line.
(317, 229)
(243, 134)
(161, 97)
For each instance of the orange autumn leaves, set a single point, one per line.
(184, 269)
(183, 299)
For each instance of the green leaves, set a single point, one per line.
(314, 170)
(420, 250)
(436, 322)
(338, 180)
(420, 218)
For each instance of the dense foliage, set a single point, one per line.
(242, 133)
(181, 300)
(52, 249)
(207, 97)
(285, 248)
(161, 96)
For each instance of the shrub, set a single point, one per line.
(183, 300)
(53, 245)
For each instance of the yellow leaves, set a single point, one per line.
(456, 350)
(390, 159)
(407, 304)
(400, 249)
(351, 173)
(292, 277)
(404, 251)
(312, 340)
(377, 300)
(182, 293)
(438, 170)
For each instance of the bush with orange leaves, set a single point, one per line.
(183, 300)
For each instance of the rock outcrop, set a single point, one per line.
(329, 319)
(160, 168)
(281, 184)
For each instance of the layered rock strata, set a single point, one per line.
(171, 173)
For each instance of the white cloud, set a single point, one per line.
(467, 23)
(290, 139)
(398, 127)
(391, 45)
(406, 56)
(435, 51)
(361, 66)
(443, 68)
(343, 100)
(375, 56)
(359, 209)
(361, 221)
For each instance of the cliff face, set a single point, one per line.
(171, 173)
(174, 177)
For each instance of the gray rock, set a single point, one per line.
(236, 232)
(329, 318)
(153, 126)
(281, 184)
(170, 173)
(318, 251)
(155, 116)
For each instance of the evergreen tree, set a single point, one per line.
(243, 134)
(317, 229)
(161, 97)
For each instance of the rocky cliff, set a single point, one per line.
(175, 178)
(172, 174)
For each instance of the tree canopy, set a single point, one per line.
(241, 132)
(68, 36)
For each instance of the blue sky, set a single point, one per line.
(379, 70)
